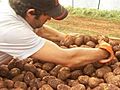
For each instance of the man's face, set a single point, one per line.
(37, 22)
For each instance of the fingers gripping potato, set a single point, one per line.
(68, 40)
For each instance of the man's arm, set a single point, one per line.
(50, 33)
(74, 57)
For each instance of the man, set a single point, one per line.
(23, 34)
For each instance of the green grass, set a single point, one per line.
(95, 13)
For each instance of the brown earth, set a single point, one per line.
(74, 24)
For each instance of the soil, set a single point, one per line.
(74, 24)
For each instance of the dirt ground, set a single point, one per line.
(90, 26)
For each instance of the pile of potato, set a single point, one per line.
(32, 74)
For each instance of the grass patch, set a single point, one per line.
(95, 13)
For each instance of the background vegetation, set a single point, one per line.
(95, 13)
(99, 22)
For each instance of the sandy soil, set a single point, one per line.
(88, 26)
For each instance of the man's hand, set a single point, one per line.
(108, 48)
(102, 38)
(68, 40)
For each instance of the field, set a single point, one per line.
(91, 22)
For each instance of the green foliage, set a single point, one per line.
(95, 13)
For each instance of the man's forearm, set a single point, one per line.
(83, 56)
(50, 33)
(73, 57)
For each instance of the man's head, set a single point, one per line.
(51, 8)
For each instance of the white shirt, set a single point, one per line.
(17, 37)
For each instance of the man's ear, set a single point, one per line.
(31, 13)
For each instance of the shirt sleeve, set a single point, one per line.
(20, 41)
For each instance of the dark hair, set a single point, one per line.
(21, 7)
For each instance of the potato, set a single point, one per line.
(1, 79)
(19, 77)
(79, 40)
(117, 54)
(20, 64)
(112, 43)
(88, 88)
(30, 67)
(4, 71)
(35, 82)
(63, 87)
(116, 71)
(48, 66)
(115, 80)
(97, 65)
(12, 64)
(89, 69)
(17, 88)
(108, 76)
(14, 72)
(75, 74)
(116, 48)
(41, 83)
(41, 73)
(55, 70)
(112, 79)
(93, 74)
(28, 77)
(46, 78)
(116, 65)
(55, 82)
(94, 39)
(86, 38)
(113, 87)
(102, 71)
(29, 60)
(9, 83)
(78, 87)
(91, 44)
(83, 79)
(105, 86)
(32, 88)
(2, 84)
(64, 73)
(4, 89)
(38, 65)
(19, 84)
(46, 87)
(93, 82)
(72, 83)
